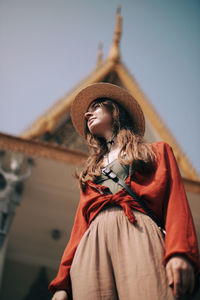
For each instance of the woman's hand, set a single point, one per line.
(60, 295)
(180, 274)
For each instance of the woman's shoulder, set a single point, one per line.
(160, 145)
(161, 149)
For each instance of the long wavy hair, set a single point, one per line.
(140, 155)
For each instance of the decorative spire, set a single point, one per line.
(100, 55)
(114, 53)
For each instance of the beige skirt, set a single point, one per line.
(118, 260)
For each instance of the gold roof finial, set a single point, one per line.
(114, 53)
(100, 55)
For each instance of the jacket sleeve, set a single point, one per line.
(180, 231)
(62, 280)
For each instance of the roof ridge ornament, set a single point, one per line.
(100, 55)
(114, 53)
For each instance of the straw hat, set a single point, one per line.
(105, 90)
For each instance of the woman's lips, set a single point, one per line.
(90, 120)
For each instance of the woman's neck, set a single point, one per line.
(112, 154)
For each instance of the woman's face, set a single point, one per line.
(99, 120)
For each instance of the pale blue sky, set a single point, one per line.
(48, 46)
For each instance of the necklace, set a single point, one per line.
(111, 142)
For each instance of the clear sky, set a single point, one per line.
(48, 46)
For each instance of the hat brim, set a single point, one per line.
(105, 90)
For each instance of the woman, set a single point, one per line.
(116, 250)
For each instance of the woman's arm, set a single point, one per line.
(180, 274)
(180, 231)
(182, 254)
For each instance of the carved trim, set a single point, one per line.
(41, 149)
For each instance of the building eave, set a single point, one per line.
(41, 149)
(192, 186)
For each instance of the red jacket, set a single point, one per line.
(162, 191)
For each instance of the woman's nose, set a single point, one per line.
(88, 114)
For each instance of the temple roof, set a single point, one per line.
(54, 125)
